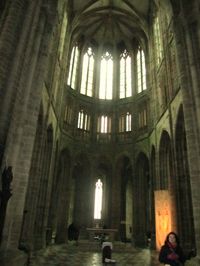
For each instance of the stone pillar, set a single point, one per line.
(115, 198)
(15, 35)
(190, 95)
(21, 134)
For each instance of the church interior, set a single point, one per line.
(99, 125)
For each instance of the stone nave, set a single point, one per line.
(99, 125)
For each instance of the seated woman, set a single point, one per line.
(171, 252)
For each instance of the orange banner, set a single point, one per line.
(163, 216)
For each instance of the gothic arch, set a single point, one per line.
(165, 160)
(103, 169)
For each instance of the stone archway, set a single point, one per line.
(165, 161)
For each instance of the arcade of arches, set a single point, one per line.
(99, 90)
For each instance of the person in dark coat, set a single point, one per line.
(171, 252)
(73, 232)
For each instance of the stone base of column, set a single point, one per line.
(13, 258)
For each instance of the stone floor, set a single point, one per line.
(89, 254)
(72, 255)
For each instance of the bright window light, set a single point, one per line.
(98, 199)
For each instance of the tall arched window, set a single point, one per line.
(73, 67)
(106, 77)
(141, 71)
(83, 120)
(125, 75)
(98, 199)
(87, 73)
(125, 122)
(104, 124)
(157, 41)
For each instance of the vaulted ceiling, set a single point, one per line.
(110, 20)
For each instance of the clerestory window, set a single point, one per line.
(141, 71)
(104, 124)
(125, 75)
(87, 73)
(106, 77)
(125, 122)
(158, 41)
(73, 67)
(83, 121)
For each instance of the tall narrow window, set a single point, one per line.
(141, 71)
(87, 73)
(73, 67)
(106, 77)
(83, 121)
(104, 124)
(128, 121)
(143, 117)
(157, 41)
(68, 114)
(125, 122)
(98, 199)
(125, 75)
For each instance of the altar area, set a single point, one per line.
(97, 232)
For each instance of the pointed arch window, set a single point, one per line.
(158, 41)
(106, 77)
(68, 114)
(87, 73)
(141, 71)
(73, 67)
(125, 122)
(125, 75)
(83, 121)
(104, 124)
(98, 199)
(142, 117)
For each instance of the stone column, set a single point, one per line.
(21, 135)
(13, 47)
(189, 93)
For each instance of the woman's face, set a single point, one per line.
(172, 238)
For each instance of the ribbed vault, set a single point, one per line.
(110, 21)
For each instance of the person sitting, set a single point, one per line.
(171, 252)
